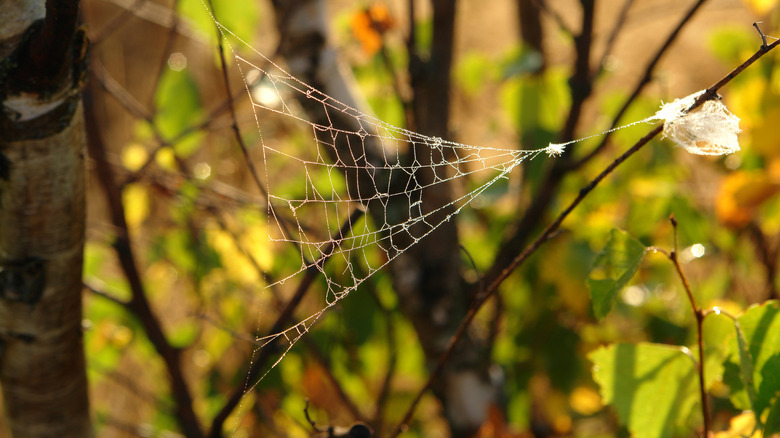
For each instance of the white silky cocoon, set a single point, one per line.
(710, 129)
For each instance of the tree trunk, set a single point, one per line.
(42, 219)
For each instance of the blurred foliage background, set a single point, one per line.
(197, 222)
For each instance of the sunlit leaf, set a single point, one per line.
(240, 17)
(651, 386)
(719, 335)
(135, 198)
(134, 155)
(764, 134)
(166, 159)
(741, 426)
(613, 269)
(243, 256)
(757, 354)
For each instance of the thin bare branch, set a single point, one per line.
(699, 316)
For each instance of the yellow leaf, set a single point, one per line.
(255, 239)
(761, 7)
(741, 426)
(747, 101)
(237, 266)
(166, 159)
(764, 134)
(135, 198)
(134, 156)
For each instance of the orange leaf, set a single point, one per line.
(369, 24)
(741, 193)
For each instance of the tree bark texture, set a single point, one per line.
(42, 220)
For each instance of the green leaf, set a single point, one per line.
(613, 269)
(718, 334)
(535, 102)
(773, 419)
(730, 44)
(472, 72)
(757, 355)
(178, 103)
(184, 333)
(240, 17)
(746, 368)
(652, 386)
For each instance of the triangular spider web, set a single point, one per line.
(352, 192)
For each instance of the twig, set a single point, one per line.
(542, 5)
(639, 86)
(104, 294)
(705, 404)
(308, 418)
(487, 292)
(138, 304)
(761, 34)
(279, 325)
(118, 92)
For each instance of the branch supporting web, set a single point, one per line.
(348, 191)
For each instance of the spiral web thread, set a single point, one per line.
(318, 188)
